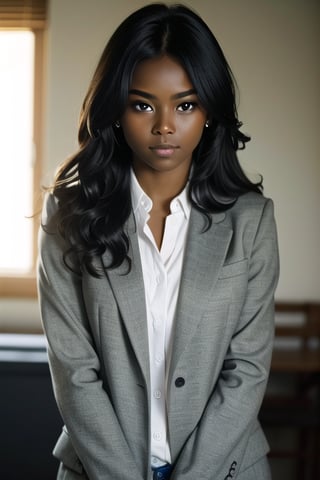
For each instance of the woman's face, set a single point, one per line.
(163, 121)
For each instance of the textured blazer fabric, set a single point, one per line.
(224, 327)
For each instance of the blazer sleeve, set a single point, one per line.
(221, 437)
(86, 409)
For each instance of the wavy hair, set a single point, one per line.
(93, 186)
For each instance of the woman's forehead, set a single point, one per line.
(161, 71)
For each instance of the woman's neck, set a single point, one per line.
(161, 187)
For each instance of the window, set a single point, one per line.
(16, 119)
(22, 26)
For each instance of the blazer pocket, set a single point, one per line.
(65, 452)
(234, 269)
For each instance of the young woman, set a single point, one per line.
(157, 268)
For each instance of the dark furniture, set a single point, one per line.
(29, 419)
(292, 401)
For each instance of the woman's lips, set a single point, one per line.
(164, 150)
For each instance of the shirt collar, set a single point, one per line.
(140, 200)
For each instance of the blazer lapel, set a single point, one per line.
(204, 256)
(128, 289)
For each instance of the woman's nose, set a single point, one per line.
(164, 124)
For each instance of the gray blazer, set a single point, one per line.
(98, 351)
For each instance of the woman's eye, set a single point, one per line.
(186, 107)
(142, 107)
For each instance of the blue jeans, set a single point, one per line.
(162, 473)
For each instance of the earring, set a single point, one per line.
(117, 124)
(207, 124)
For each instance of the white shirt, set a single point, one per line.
(161, 276)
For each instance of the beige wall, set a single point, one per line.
(273, 49)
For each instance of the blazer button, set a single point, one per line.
(180, 381)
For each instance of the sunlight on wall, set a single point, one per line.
(16, 150)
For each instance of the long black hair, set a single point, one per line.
(93, 186)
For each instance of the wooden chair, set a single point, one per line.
(292, 400)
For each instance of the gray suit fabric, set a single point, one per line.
(224, 327)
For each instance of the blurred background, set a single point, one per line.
(48, 52)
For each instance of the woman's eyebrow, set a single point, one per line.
(184, 94)
(176, 96)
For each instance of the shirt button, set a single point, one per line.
(156, 323)
(159, 358)
(157, 394)
(180, 381)
(157, 436)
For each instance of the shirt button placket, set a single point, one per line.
(157, 394)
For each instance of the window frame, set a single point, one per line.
(24, 285)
